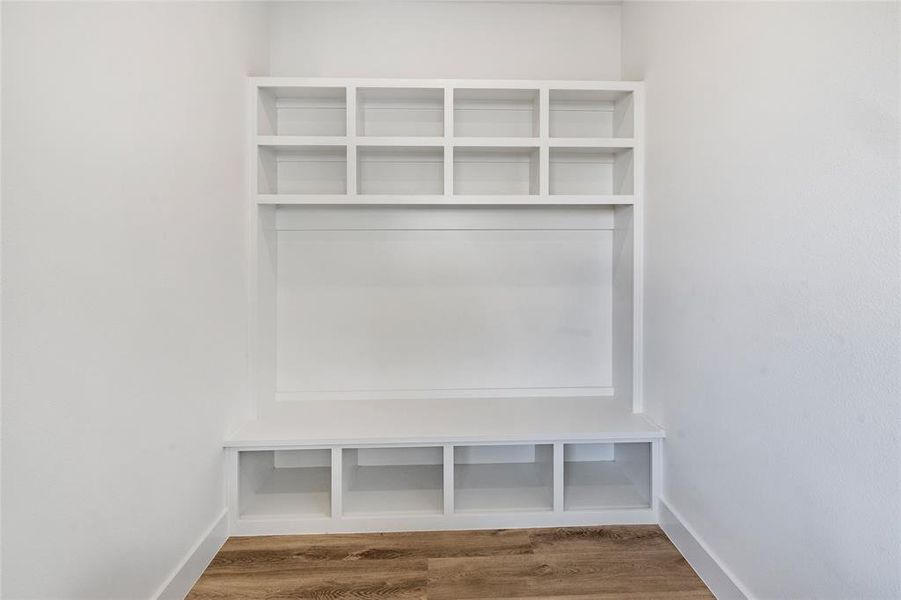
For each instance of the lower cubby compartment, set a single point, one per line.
(284, 483)
(385, 481)
(288, 484)
(509, 478)
(607, 476)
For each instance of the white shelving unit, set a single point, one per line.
(421, 142)
(446, 308)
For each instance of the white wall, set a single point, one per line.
(124, 330)
(772, 323)
(772, 310)
(446, 40)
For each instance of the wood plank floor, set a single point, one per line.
(621, 562)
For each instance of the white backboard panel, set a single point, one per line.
(398, 310)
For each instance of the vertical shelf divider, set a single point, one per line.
(656, 475)
(559, 464)
(544, 134)
(638, 250)
(448, 145)
(337, 482)
(351, 109)
(448, 480)
(232, 483)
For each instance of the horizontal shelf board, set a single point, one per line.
(470, 420)
(435, 200)
(600, 143)
(496, 142)
(509, 223)
(490, 84)
(289, 141)
(398, 141)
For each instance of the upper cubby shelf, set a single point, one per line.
(302, 111)
(496, 113)
(492, 142)
(591, 114)
(411, 112)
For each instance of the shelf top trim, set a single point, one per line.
(505, 84)
(466, 421)
(438, 141)
(448, 200)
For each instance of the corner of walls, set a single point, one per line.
(772, 272)
(124, 330)
(1, 302)
(192, 565)
(717, 576)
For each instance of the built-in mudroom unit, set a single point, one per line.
(446, 308)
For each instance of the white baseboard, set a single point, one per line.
(188, 571)
(709, 568)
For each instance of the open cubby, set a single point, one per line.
(400, 112)
(284, 483)
(393, 480)
(583, 171)
(496, 113)
(503, 478)
(591, 113)
(400, 170)
(607, 476)
(302, 111)
(501, 171)
(303, 170)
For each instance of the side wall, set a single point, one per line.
(496, 40)
(124, 324)
(772, 270)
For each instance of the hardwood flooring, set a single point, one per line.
(584, 563)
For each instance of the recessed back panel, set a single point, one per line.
(477, 304)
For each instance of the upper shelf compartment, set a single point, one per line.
(591, 171)
(446, 141)
(496, 113)
(409, 112)
(302, 170)
(302, 111)
(591, 114)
